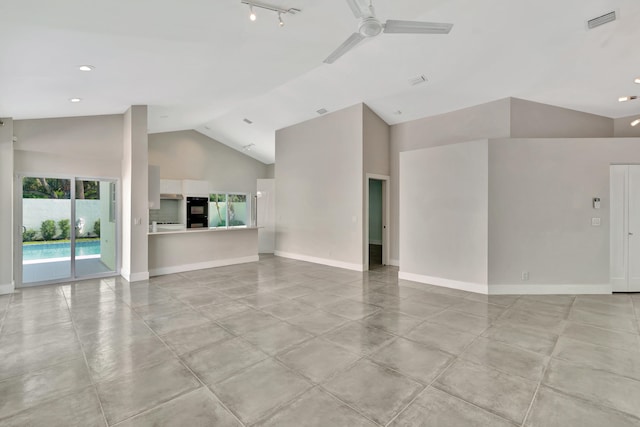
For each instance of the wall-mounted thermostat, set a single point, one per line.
(596, 203)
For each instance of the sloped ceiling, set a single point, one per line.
(203, 65)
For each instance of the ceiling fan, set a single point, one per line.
(370, 26)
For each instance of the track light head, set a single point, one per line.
(636, 122)
(252, 14)
(280, 21)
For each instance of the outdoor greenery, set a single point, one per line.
(65, 228)
(48, 229)
(53, 188)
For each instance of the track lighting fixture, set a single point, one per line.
(280, 11)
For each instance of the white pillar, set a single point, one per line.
(6, 207)
(135, 199)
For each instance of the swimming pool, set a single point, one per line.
(59, 250)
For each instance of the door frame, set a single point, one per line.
(386, 180)
(17, 236)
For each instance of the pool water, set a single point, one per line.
(59, 250)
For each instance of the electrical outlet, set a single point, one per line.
(525, 275)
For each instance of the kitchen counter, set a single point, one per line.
(176, 249)
(183, 229)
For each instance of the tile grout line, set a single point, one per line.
(445, 369)
(86, 363)
(185, 366)
(546, 367)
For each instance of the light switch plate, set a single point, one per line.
(595, 222)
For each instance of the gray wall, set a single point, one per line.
(535, 120)
(85, 146)
(540, 208)
(443, 199)
(622, 127)
(491, 120)
(271, 171)
(319, 182)
(191, 155)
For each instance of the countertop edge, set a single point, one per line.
(201, 230)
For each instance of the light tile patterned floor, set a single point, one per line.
(287, 343)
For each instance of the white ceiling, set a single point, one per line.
(201, 64)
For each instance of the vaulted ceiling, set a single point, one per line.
(201, 64)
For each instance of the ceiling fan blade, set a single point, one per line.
(345, 47)
(358, 10)
(416, 27)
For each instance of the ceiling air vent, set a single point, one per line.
(601, 20)
(322, 111)
(247, 121)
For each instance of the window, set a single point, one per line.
(228, 210)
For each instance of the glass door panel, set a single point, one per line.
(46, 230)
(95, 228)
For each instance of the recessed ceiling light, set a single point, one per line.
(74, 100)
(248, 147)
(636, 122)
(86, 68)
(626, 98)
(637, 80)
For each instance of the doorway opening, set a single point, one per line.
(68, 227)
(376, 232)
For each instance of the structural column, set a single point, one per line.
(6, 206)
(135, 199)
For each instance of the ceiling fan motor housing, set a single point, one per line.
(370, 27)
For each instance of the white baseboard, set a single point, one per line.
(393, 262)
(323, 261)
(479, 288)
(532, 289)
(202, 265)
(7, 288)
(135, 277)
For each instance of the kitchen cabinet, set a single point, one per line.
(170, 186)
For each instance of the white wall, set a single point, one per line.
(444, 215)
(319, 189)
(192, 155)
(266, 216)
(540, 210)
(491, 120)
(135, 201)
(6, 207)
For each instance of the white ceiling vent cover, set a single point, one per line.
(601, 20)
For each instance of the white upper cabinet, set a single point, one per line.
(170, 186)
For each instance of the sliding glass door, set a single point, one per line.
(69, 229)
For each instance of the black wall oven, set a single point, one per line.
(197, 212)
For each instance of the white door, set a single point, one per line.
(625, 228)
